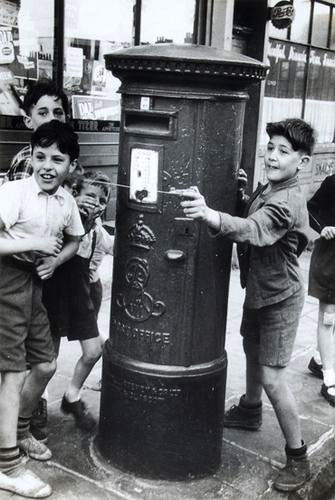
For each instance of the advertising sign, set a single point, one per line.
(282, 14)
(88, 107)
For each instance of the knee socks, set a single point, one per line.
(297, 453)
(23, 426)
(9, 458)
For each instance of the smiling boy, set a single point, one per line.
(40, 228)
(43, 102)
(270, 238)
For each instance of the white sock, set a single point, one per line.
(328, 380)
(317, 357)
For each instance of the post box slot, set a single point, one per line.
(150, 123)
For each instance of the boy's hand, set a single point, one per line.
(46, 267)
(195, 207)
(48, 245)
(328, 232)
(242, 179)
(88, 207)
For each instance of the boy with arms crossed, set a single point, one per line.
(36, 214)
(270, 239)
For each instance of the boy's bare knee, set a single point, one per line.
(45, 370)
(271, 379)
(12, 381)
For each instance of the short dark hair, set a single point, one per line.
(56, 132)
(299, 133)
(42, 87)
(95, 178)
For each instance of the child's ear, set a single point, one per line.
(27, 121)
(73, 166)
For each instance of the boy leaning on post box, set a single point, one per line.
(270, 238)
(40, 228)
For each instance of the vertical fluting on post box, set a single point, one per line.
(164, 365)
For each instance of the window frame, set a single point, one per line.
(309, 47)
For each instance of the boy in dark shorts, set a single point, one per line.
(270, 238)
(70, 298)
(43, 102)
(40, 228)
(321, 284)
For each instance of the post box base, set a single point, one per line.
(161, 422)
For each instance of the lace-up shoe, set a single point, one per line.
(241, 417)
(294, 475)
(24, 483)
(34, 448)
(83, 418)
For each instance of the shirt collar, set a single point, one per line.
(277, 186)
(59, 194)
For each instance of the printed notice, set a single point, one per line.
(143, 175)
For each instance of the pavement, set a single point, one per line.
(250, 460)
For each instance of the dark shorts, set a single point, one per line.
(67, 299)
(96, 295)
(273, 329)
(24, 328)
(321, 283)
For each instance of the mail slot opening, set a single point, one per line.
(148, 123)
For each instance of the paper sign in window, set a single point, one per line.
(144, 175)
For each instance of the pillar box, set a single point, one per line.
(165, 365)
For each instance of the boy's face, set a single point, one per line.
(93, 199)
(51, 166)
(281, 161)
(47, 108)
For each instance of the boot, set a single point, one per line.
(296, 471)
(243, 416)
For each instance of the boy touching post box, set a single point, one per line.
(270, 238)
(40, 228)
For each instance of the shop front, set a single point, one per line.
(67, 40)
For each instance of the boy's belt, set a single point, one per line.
(18, 264)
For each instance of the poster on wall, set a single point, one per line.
(88, 107)
(20, 65)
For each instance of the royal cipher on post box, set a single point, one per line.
(164, 365)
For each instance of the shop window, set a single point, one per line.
(26, 48)
(167, 25)
(320, 99)
(284, 85)
(93, 29)
(300, 26)
(320, 24)
(332, 32)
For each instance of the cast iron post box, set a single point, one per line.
(164, 365)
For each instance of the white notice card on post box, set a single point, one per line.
(144, 175)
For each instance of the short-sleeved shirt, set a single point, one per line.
(27, 211)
